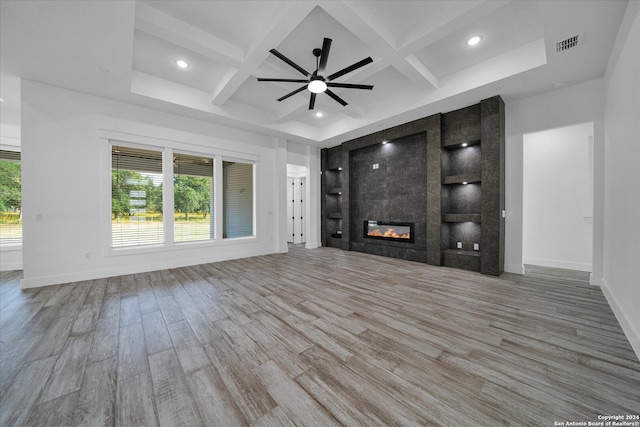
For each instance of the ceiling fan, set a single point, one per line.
(317, 82)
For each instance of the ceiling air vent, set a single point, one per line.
(569, 43)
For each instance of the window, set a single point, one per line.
(206, 198)
(238, 203)
(10, 198)
(136, 197)
(193, 198)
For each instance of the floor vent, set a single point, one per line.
(569, 43)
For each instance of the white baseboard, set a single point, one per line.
(514, 268)
(630, 330)
(567, 265)
(10, 266)
(37, 282)
(595, 281)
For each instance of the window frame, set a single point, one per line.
(168, 147)
(14, 247)
(164, 231)
(212, 201)
(254, 196)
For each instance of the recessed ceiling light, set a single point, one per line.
(558, 84)
(474, 40)
(182, 63)
(1, 100)
(319, 114)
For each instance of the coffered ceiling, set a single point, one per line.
(126, 50)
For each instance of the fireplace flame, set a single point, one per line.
(389, 232)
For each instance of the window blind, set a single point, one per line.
(193, 198)
(237, 199)
(10, 155)
(136, 197)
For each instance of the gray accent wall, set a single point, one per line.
(394, 191)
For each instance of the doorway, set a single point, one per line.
(558, 198)
(296, 199)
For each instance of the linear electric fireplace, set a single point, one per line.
(386, 230)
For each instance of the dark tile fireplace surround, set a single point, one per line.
(386, 183)
(419, 173)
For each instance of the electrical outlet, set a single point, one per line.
(476, 247)
(459, 245)
(376, 165)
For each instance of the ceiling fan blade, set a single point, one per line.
(350, 68)
(312, 101)
(336, 97)
(300, 89)
(260, 79)
(350, 86)
(326, 47)
(290, 62)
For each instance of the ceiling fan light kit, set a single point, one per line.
(316, 85)
(316, 82)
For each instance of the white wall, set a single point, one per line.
(580, 103)
(66, 184)
(297, 154)
(621, 282)
(558, 197)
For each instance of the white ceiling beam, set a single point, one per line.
(425, 73)
(277, 27)
(358, 18)
(169, 28)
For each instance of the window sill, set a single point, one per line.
(179, 246)
(13, 247)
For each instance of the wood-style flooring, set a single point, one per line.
(313, 337)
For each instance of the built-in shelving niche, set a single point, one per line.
(472, 187)
(462, 196)
(331, 188)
